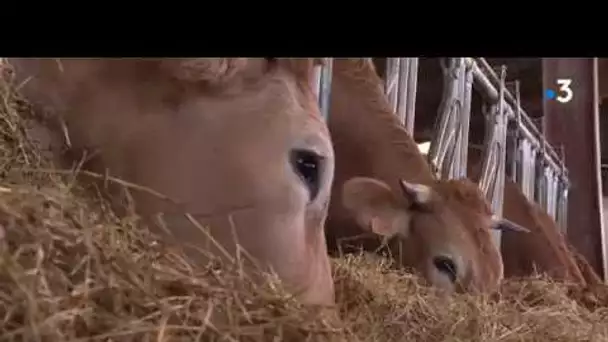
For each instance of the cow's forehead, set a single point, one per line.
(462, 193)
(303, 71)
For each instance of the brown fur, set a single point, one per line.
(212, 134)
(544, 249)
(466, 194)
(466, 199)
(370, 142)
(588, 273)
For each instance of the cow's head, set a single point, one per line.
(443, 229)
(237, 143)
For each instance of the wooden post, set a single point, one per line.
(575, 124)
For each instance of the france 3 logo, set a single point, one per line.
(564, 93)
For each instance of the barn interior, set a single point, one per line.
(571, 128)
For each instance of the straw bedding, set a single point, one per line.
(71, 270)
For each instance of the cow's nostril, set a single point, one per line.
(447, 266)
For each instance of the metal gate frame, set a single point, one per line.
(448, 152)
(400, 87)
(448, 146)
(323, 73)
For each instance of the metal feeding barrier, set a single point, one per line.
(322, 81)
(510, 133)
(449, 146)
(492, 178)
(545, 177)
(400, 88)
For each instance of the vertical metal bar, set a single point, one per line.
(325, 87)
(401, 90)
(530, 160)
(516, 151)
(493, 167)
(539, 180)
(412, 87)
(550, 192)
(553, 196)
(486, 179)
(465, 118)
(448, 151)
(563, 193)
(512, 152)
(502, 117)
(597, 98)
(550, 184)
(391, 82)
(518, 160)
(532, 173)
(502, 171)
(564, 208)
(316, 82)
(529, 170)
(537, 183)
(455, 149)
(458, 122)
(441, 150)
(525, 153)
(494, 144)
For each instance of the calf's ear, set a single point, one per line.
(375, 207)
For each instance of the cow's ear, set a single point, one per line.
(375, 207)
(503, 224)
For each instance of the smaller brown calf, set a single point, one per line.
(443, 230)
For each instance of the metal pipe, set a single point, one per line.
(401, 89)
(326, 76)
(499, 196)
(322, 81)
(465, 118)
(527, 127)
(494, 80)
(444, 134)
(532, 175)
(525, 151)
(488, 161)
(481, 68)
(391, 81)
(412, 87)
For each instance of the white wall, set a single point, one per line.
(424, 147)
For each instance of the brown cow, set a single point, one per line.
(544, 249)
(444, 225)
(238, 143)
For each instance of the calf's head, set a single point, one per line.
(443, 230)
(237, 143)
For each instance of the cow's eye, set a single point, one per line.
(446, 266)
(308, 166)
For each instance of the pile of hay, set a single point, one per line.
(70, 270)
